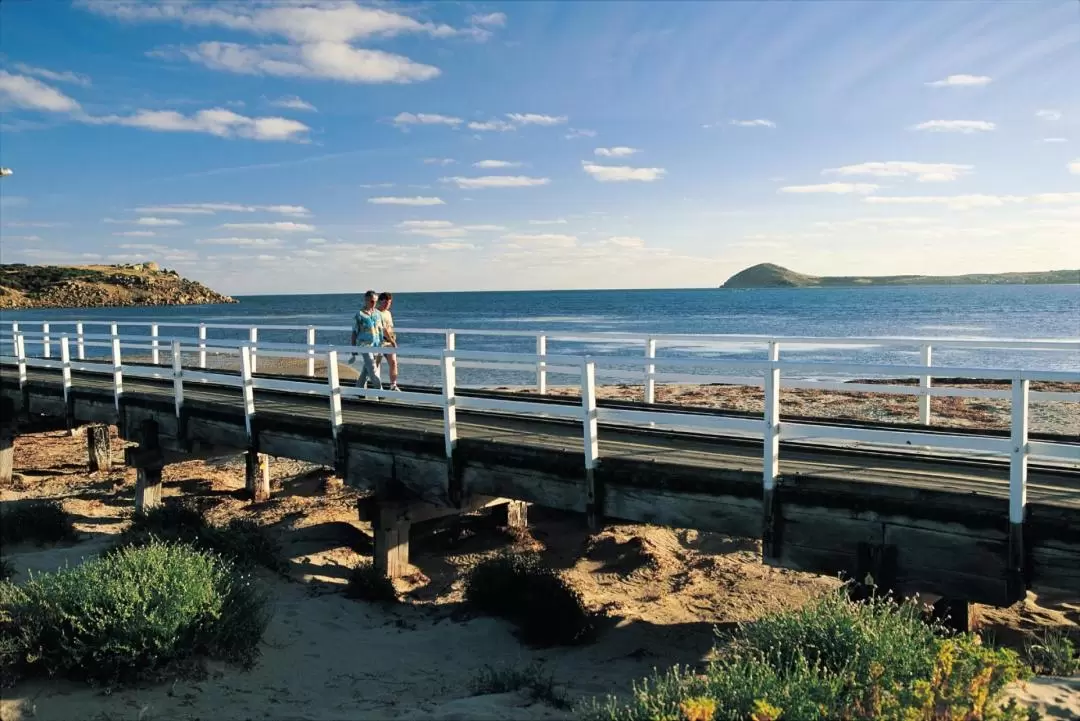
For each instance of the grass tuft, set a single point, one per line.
(534, 680)
(367, 583)
(7, 570)
(522, 589)
(1053, 654)
(834, 658)
(131, 615)
(38, 521)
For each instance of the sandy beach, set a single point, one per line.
(661, 592)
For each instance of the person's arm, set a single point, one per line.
(352, 338)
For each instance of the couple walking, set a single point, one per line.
(373, 327)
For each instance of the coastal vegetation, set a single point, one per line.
(51, 286)
(769, 275)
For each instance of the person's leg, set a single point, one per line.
(392, 362)
(371, 371)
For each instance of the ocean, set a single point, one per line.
(1007, 311)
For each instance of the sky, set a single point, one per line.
(302, 147)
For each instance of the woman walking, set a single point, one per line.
(386, 300)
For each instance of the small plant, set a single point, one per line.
(130, 615)
(7, 570)
(1053, 655)
(39, 521)
(247, 543)
(367, 583)
(525, 591)
(533, 679)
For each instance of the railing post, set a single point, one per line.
(20, 357)
(46, 344)
(650, 371)
(178, 376)
(1018, 467)
(454, 491)
(80, 342)
(771, 455)
(451, 340)
(202, 345)
(924, 387)
(253, 338)
(594, 501)
(541, 364)
(65, 369)
(248, 389)
(311, 351)
(257, 465)
(14, 332)
(333, 379)
(118, 369)
(155, 355)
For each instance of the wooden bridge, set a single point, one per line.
(975, 516)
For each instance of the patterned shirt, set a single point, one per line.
(368, 327)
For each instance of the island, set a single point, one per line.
(770, 275)
(92, 286)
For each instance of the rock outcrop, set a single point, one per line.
(43, 286)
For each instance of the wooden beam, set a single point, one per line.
(391, 526)
(148, 476)
(99, 448)
(957, 614)
(7, 440)
(257, 475)
(514, 515)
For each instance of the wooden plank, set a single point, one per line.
(148, 477)
(731, 515)
(1055, 568)
(391, 545)
(947, 552)
(99, 448)
(7, 440)
(549, 491)
(296, 446)
(257, 475)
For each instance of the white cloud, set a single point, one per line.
(24, 238)
(451, 245)
(546, 240)
(26, 92)
(281, 226)
(1055, 140)
(143, 246)
(216, 121)
(416, 200)
(758, 123)
(835, 188)
(294, 103)
(403, 119)
(439, 161)
(961, 81)
(923, 172)
(63, 77)
(622, 173)
(620, 151)
(1072, 197)
(315, 241)
(1074, 167)
(376, 185)
(495, 125)
(490, 19)
(483, 227)
(555, 221)
(497, 181)
(432, 228)
(241, 242)
(1048, 114)
(136, 234)
(955, 126)
(496, 164)
(295, 211)
(580, 133)
(625, 241)
(953, 202)
(151, 221)
(536, 119)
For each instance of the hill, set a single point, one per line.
(90, 286)
(769, 275)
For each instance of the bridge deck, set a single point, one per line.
(947, 516)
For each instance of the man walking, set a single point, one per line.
(389, 338)
(367, 333)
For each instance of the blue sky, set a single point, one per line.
(324, 147)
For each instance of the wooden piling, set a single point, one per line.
(7, 440)
(391, 540)
(957, 614)
(99, 448)
(515, 515)
(257, 475)
(149, 464)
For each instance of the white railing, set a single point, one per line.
(770, 429)
(648, 375)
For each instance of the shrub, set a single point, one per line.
(177, 520)
(832, 659)
(1053, 655)
(131, 614)
(7, 570)
(367, 583)
(523, 590)
(537, 683)
(40, 521)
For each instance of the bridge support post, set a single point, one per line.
(99, 448)
(957, 614)
(391, 527)
(7, 440)
(514, 515)
(257, 475)
(149, 462)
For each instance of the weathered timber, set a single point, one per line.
(957, 614)
(7, 439)
(99, 448)
(148, 472)
(257, 475)
(515, 515)
(391, 547)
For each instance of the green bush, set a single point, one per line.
(1053, 654)
(537, 683)
(7, 570)
(39, 521)
(367, 583)
(525, 591)
(130, 615)
(177, 520)
(834, 658)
